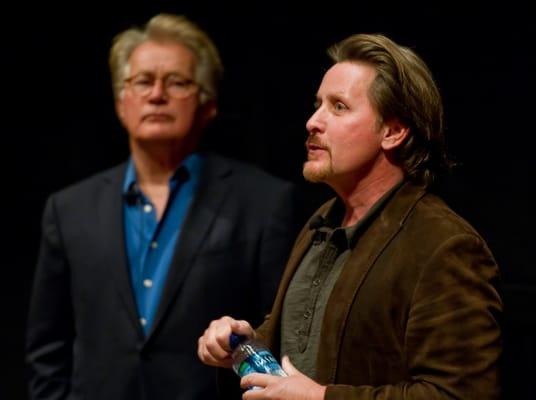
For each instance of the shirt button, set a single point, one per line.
(147, 208)
(143, 321)
(316, 282)
(147, 283)
(307, 314)
(154, 245)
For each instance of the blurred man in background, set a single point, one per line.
(135, 261)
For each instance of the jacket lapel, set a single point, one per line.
(369, 247)
(201, 216)
(110, 229)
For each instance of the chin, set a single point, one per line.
(160, 135)
(316, 172)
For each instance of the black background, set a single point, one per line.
(59, 124)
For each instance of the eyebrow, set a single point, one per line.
(338, 96)
(166, 75)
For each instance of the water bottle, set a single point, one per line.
(250, 355)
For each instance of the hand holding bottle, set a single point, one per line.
(214, 348)
(295, 386)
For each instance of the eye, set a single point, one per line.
(175, 81)
(317, 104)
(180, 83)
(142, 81)
(339, 106)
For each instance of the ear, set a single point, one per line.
(209, 110)
(394, 134)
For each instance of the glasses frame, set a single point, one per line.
(144, 89)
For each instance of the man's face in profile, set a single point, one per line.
(344, 140)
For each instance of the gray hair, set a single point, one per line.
(173, 28)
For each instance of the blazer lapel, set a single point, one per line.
(369, 247)
(110, 229)
(202, 214)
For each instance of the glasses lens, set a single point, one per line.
(173, 85)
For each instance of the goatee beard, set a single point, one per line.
(316, 175)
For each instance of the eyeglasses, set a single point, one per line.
(175, 86)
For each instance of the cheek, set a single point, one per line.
(185, 115)
(354, 147)
(343, 141)
(128, 111)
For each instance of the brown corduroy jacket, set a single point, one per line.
(414, 313)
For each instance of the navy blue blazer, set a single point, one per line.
(84, 340)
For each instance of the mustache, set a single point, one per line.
(315, 141)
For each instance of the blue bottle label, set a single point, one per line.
(262, 362)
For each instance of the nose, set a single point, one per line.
(158, 92)
(316, 122)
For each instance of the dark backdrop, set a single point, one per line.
(59, 124)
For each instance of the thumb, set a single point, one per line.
(288, 367)
(242, 327)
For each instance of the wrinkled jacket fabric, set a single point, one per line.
(414, 313)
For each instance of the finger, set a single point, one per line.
(225, 327)
(217, 336)
(258, 380)
(211, 359)
(288, 367)
(241, 327)
(214, 350)
(254, 394)
(211, 345)
(215, 361)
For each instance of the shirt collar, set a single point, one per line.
(335, 214)
(192, 165)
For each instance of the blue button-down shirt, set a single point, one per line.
(151, 243)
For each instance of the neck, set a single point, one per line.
(156, 162)
(360, 195)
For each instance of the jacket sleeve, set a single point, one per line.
(452, 338)
(50, 328)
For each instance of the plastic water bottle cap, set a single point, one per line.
(235, 340)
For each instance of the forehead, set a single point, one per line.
(155, 57)
(347, 79)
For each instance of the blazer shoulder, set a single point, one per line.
(433, 213)
(86, 187)
(245, 173)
